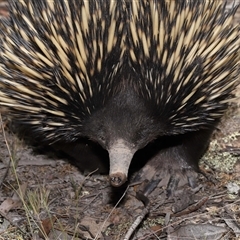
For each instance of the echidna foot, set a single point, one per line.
(170, 173)
(180, 178)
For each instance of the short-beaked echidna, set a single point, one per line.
(121, 73)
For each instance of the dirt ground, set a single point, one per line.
(43, 196)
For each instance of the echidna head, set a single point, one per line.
(122, 126)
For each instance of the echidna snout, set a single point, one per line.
(120, 155)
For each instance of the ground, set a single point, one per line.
(44, 197)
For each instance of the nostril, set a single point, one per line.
(117, 179)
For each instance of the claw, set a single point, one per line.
(172, 185)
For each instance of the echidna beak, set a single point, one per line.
(120, 155)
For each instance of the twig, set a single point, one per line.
(192, 208)
(143, 197)
(20, 193)
(136, 223)
(9, 162)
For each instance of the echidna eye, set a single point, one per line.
(102, 138)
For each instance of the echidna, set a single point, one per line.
(121, 73)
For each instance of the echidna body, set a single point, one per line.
(121, 73)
